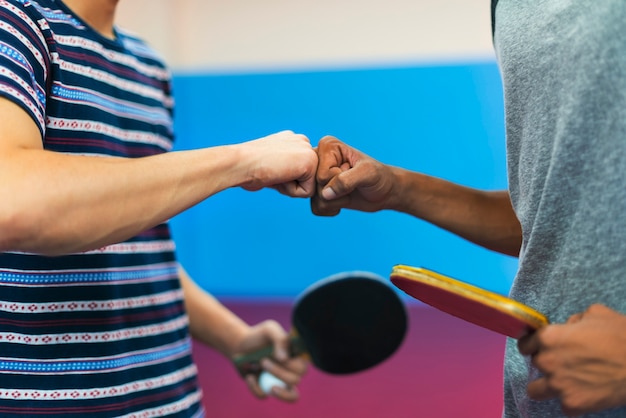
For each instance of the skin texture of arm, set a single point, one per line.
(349, 179)
(57, 203)
(213, 324)
(583, 361)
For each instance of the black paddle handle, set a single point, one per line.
(249, 363)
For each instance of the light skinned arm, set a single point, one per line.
(56, 203)
(216, 326)
(347, 178)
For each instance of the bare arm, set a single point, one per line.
(216, 326)
(57, 203)
(483, 217)
(350, 179)
(210, 322)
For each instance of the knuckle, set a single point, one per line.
(596, 308)
(328, 139)
(547, 363)
(549, 335)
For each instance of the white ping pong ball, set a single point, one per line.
(267, 381)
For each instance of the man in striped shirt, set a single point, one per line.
(96, 315)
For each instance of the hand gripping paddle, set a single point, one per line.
(345, 323)
(473, 304)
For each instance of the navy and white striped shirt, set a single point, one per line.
(103, 332)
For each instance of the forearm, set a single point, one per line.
(210, 322)
(57, 203)
(485, 218)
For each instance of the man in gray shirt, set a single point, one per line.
(563, 67)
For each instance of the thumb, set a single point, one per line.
(341, 185)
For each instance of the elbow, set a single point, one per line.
(39, 232)
(510, 246)
(20, 231)
(16, 230)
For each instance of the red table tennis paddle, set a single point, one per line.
(345, 323)
(473, 304)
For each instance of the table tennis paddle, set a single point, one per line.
(345, 323)
(473, 304)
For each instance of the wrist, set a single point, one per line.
(399, 193)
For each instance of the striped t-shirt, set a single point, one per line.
(100, 333)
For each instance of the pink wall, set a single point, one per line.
(445, 368)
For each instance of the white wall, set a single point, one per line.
(244, 35)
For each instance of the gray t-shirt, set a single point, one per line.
(563, 66)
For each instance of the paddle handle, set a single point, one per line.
(249, 363)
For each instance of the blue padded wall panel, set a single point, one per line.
(444, 120)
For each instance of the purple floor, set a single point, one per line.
(445, 368)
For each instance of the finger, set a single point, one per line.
(327, 205)
(320, 207)
(323, 207)
(296, 188)
(529, 344)
(342, 184)
(307, 186)
(330, 157)
(332, 172)
(297, 365)
(287, 394)
(597, 309)
(575, 318)
(253, 384)
(290, 372)
(279, 339)
(540, 390)
(268, 333)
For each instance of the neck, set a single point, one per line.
(99, 14)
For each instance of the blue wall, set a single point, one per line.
(443, 120)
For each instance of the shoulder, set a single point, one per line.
(20, 12)
(25, 18)
(36, 11)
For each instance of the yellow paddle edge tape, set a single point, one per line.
(518, 310)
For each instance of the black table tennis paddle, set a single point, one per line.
(345, 323)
